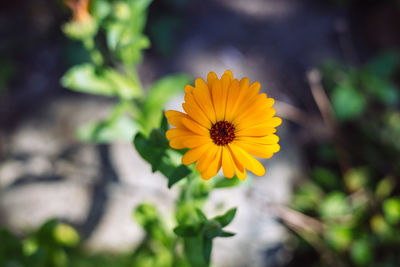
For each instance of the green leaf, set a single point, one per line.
(226, 234)
(108, 82)
(159, 94)
(120, 129)
(144, 213)
(178, 174)
(100, 9)
(222, 182)
(130, 51)
(347, 102)
(66, 235)
(201, 215)
(307, 197)
(187, 230)
(391, 210)
(148, 152)
(226, 218)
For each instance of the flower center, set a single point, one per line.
(222, 133)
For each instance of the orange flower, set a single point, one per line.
(80, 9)
(226, 123)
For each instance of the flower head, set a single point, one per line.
(227, 123)
(80, 9)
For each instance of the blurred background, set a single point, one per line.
(70, 176)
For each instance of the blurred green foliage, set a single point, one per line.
(358, 206)
(112, 33)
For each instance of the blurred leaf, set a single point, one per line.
(381, 88)
(338, 237)
(385, 187)
(100, 9)
(144, 213)
(391, 210)
(202, 216)
(347, 102)
(159, 94)
(187, 230)
(81, 30)
(10, 249)
(147, 216)
(356, 178)
(147, 152)
(325, 177)
(226, 218)
(227, 234)
(130, 51)
(119, 129)
(121, 10)
(379, 225)
(66, 235)
(107, 82)
(361, 252)
(307, 197)
(334, 205)
(178, 174)
(225, 183)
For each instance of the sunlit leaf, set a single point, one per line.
(120, 129)
(108, 82)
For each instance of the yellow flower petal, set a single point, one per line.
(203, 98)
(194, 154)
(196, 140)
(215, 164)
(263, 140)
(258, 130)
(195, 112)
(204, 162)
(249, 162)
(194, 126)
(177, 132)
(188, 89)
(227, 163)
(211, 78)
(257, 150)
(231, 100)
